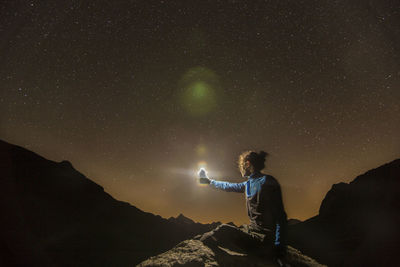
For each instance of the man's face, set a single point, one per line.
(246, 171)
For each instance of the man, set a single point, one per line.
(263, 199)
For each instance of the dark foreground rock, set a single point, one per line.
(226, 245)
(52, 215)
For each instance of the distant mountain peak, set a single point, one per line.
(181, 219)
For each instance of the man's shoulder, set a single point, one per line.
(270, 180)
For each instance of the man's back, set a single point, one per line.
(264, 202)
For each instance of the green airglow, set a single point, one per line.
(199, 86)
(199, 90)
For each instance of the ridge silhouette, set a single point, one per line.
(53, 215)
(358, 223)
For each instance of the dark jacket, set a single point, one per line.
(264, 202)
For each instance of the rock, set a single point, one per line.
(226, 245)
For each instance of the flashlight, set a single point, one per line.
(202, 173)
(203, 176)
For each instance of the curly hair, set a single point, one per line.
(257, 160)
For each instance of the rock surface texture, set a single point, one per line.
(226, 245)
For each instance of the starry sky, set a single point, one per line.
(138, 95)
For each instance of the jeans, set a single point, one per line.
(267, 238)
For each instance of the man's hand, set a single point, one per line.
(203, 176)
(204, 181)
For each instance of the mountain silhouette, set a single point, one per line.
(52, 215)
(358, 223)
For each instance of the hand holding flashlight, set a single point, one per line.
(203, 176)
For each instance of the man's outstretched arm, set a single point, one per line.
(228, 187)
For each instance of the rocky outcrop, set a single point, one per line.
(358, 223)
(226, 245)
(52, 215)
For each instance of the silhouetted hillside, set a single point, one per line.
(358, 223)
(53, 215)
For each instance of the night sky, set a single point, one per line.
(138, 94)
